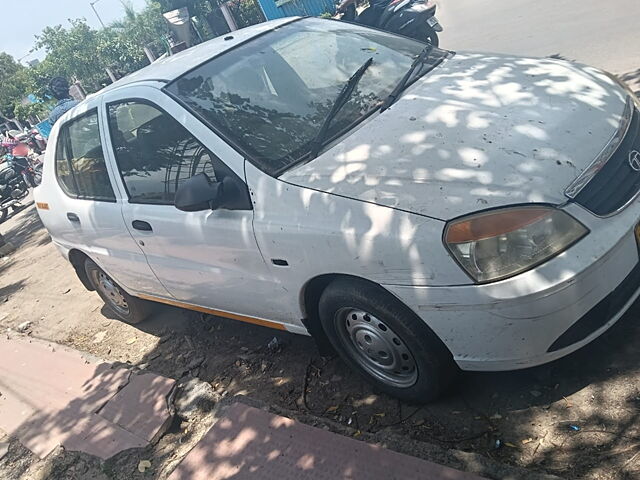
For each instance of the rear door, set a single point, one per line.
(206, 258)
(87, 211)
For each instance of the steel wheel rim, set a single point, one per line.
(111, 292)
(376, 347)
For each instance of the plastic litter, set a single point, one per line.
(143, 465)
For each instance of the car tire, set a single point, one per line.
(4, 213)
(384, 341)
(127, 308)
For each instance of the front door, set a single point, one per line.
(206, 258)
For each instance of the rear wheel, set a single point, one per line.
(3, 214)
(129, 309)
(380, 338)
(432, 38)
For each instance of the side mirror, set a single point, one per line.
(198, 193)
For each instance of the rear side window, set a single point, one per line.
(155, 153)
(80, 165)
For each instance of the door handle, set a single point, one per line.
(142, 225)
(73, 217)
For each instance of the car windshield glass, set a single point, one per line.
(270, 96)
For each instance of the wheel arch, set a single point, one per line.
(310, 298)
(77, 259)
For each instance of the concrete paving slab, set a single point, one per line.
(248, 443)
(148, 392)
(48, 376)
(51, 396)
(102, 438)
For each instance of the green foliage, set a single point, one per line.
(246, 12)
(78, 52)
(11, 83)
(73, 52)
(24, 111)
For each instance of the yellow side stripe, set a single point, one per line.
(219, 313)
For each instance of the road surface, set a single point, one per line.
(602, 34)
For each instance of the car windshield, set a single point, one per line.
(270, 96)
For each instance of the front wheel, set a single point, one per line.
(129, 309)
(384, 341)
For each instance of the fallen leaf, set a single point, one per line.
(332, 409)
(131, 341)
(510, 445)
(143, 465)
(357, 434)
(378, 414)
(527, 440)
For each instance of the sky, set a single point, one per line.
(24, 19)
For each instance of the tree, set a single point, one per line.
(11, 84)
(79, 52)
(144, 28)
(72, 53)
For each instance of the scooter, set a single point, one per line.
(13, 188)
(411, 18)
(30, 170)
(34, 140)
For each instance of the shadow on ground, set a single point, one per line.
(576, 417)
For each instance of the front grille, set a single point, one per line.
(616, 183)
(604, 311)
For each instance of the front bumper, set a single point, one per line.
(545, 313)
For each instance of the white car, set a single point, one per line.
(420, 209)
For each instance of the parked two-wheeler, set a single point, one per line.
(13, 188)
(35, 141)
(28, 168)
(411, 18)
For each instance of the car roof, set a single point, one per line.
(171, 67)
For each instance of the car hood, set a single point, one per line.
(476, 132)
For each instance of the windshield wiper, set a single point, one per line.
(338, 103)
(393, 96)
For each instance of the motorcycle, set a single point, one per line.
(36, 142)
(411, 18)
(13, 188)
(29, 169)
(29, 139)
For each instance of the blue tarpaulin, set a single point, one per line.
(290, 8)
(44, 128)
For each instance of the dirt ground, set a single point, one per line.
(576, 418)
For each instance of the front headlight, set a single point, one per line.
(501, 243)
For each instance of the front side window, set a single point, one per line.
(154, 152)
(80, 164)
(271, 95)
